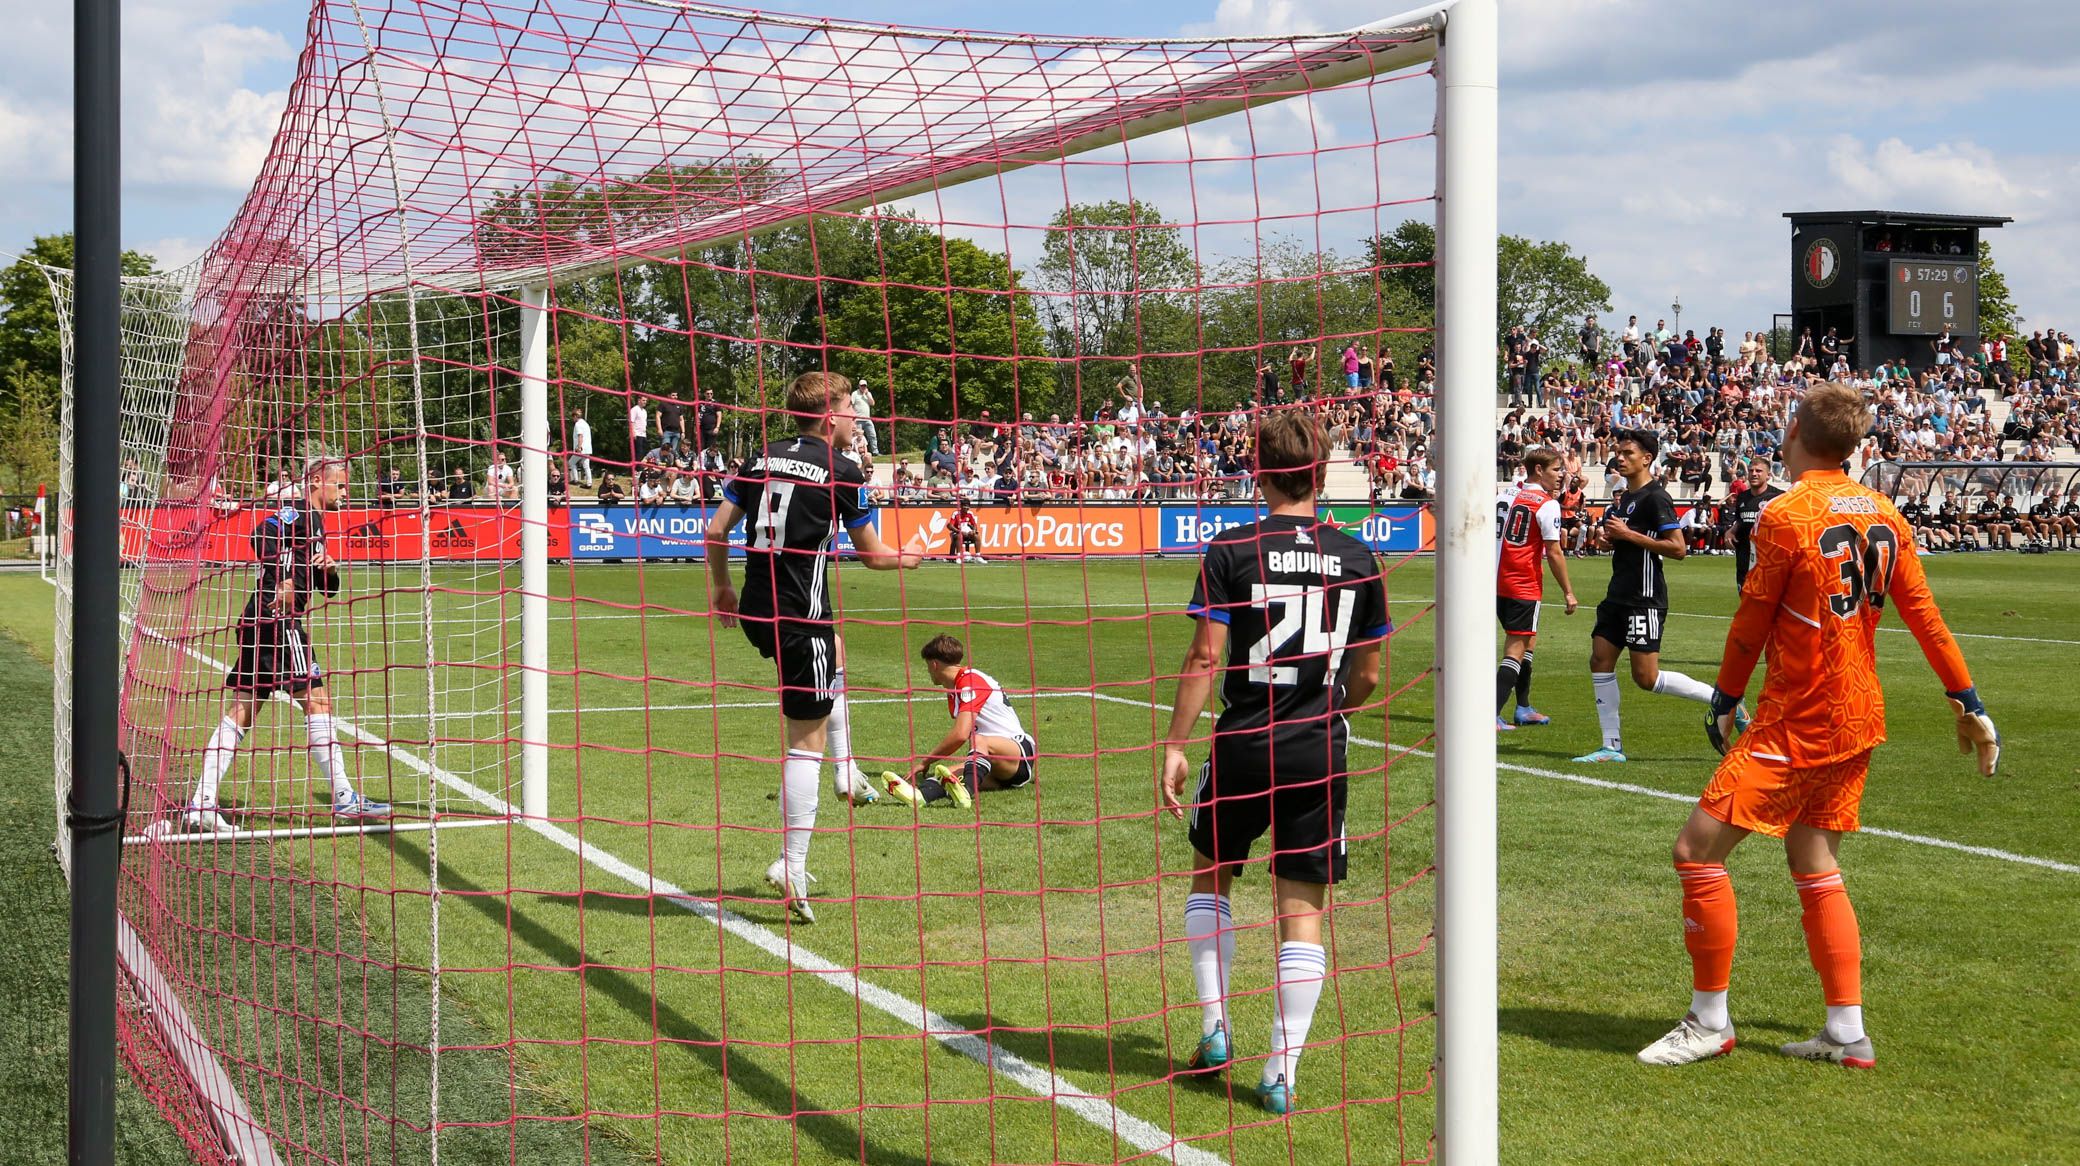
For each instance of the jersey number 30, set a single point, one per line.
(1866, 565)
(1300, 629)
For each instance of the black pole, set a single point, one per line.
(95, 811)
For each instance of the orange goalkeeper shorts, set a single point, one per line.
(1757, 788)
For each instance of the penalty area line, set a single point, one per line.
(1143, 1135)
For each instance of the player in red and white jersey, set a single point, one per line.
(999, 753)
(1529, 537)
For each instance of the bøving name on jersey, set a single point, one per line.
(1303, 563)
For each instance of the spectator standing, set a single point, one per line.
(863, 408)
(581, 450)
(707, 421)
(638, 429)
(671, 417)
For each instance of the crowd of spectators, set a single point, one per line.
(1720, 406)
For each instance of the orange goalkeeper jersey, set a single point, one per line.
(1829, 556)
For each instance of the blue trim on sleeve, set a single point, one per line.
(865, 519)
(1201, 611)
(1672, 526)
(1379, 633)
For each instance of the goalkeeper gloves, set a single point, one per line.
(1975, 731)
(1720, 723)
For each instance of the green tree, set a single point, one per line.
(1404, 257)
(1541, 285)
(1997, 309)
(1122, 282)
(906, 330)
(29, 331)
(29, 429)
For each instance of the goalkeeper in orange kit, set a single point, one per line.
(1829, 554)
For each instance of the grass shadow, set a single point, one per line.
(838, 1135)
(1127, 1056)
(1601, 1032)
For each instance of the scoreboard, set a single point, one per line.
(1930, 293)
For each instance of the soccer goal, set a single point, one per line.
(454, 799)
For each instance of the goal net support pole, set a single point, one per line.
(1467, 1110)
(534, 551)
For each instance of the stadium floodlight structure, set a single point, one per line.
(477, 226)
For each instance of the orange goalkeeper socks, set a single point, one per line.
(1710, 924)
(1831, 936)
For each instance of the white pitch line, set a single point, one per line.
(1899, 631)
(1528, 770)
(1142, 1135)
(1672, 796)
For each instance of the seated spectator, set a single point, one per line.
(391, 491)
(459, 487)
(559, 485)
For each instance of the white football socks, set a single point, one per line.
(216, 760)
(798, 788)
(1605, 685)
(838, 726)
(1210, 937)
(1301, 968)
(326, 754)
(1710, 1009)
(1845, 1023)
(1676, 684)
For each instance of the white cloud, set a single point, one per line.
(190, 117)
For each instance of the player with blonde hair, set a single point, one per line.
(1829, 554)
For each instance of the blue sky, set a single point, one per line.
(1662, 138)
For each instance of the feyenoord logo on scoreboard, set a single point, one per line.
(1823, 262)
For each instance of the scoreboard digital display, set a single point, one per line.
(1930, 293)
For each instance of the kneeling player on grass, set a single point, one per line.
(1530, 536)
(1828, 553)
(274, 653)
(985, 727)
(1291, 612)
(798, 491)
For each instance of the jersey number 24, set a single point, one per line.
(1302, 628)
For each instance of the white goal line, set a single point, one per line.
(178, 837)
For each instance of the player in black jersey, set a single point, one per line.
(274, 648)
(2000, 534)
(798, 493)
(1291, 613)
(2040, 521)
(1746, 509)
(1927, 535)
(1642, 529)
(2069, 519)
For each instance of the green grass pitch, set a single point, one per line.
(1050, 923)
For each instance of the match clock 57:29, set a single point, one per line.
(1928, 295)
